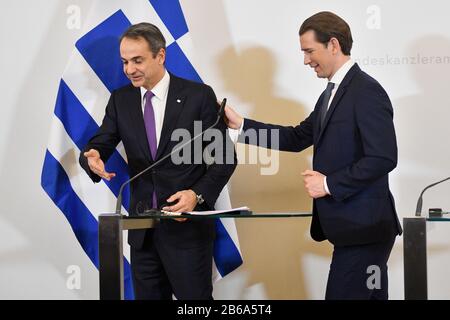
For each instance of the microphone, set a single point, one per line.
(420, 200)
(220, 114)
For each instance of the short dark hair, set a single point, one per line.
(327, 25)
(150, 33)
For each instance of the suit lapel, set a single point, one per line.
(174, 106)
(338, 96)
(138, 124)
(317, 127)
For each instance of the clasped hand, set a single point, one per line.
(314, 184)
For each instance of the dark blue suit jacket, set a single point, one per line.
(356, 149)
(186, 102)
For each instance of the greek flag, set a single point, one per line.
(93, 72)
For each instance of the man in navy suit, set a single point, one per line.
(174, 258)
(352, 131)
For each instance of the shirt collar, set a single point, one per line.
(161, 89)
(342, 72)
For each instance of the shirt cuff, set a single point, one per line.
(325, 185)
(241, 128)
(235, 133)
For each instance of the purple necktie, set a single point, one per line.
(150, 128)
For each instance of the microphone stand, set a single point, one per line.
(119, 197)
(420, 200)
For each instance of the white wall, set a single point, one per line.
(37, 244)
(249, 52)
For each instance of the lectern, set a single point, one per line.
(415, 256)
(110, 232)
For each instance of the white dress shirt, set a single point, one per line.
(338, 77)
(159, 100)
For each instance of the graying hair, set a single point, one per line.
(150, 33)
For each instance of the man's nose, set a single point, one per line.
(306, 60)
(130, 69)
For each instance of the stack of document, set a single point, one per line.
(207, 213)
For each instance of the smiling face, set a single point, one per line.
(324, 59)
(139, 63)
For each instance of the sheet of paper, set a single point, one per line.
(205, 213)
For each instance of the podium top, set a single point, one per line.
(145, 221)
(238, 215)
(438, 219)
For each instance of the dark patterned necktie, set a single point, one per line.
(325, 102)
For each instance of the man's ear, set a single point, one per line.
(161, 56)
(335, 45)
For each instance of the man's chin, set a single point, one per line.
(318, 72)
(137, 84)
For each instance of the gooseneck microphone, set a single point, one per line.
(220, 114)
(420, 200)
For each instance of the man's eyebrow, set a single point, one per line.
(133, 58)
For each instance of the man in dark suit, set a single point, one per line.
(174, 258)
(352, 131)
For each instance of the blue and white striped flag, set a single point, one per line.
(93, 72)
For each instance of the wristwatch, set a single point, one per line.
(200, 199)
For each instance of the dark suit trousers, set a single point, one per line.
(161, 269)
(359, 272)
